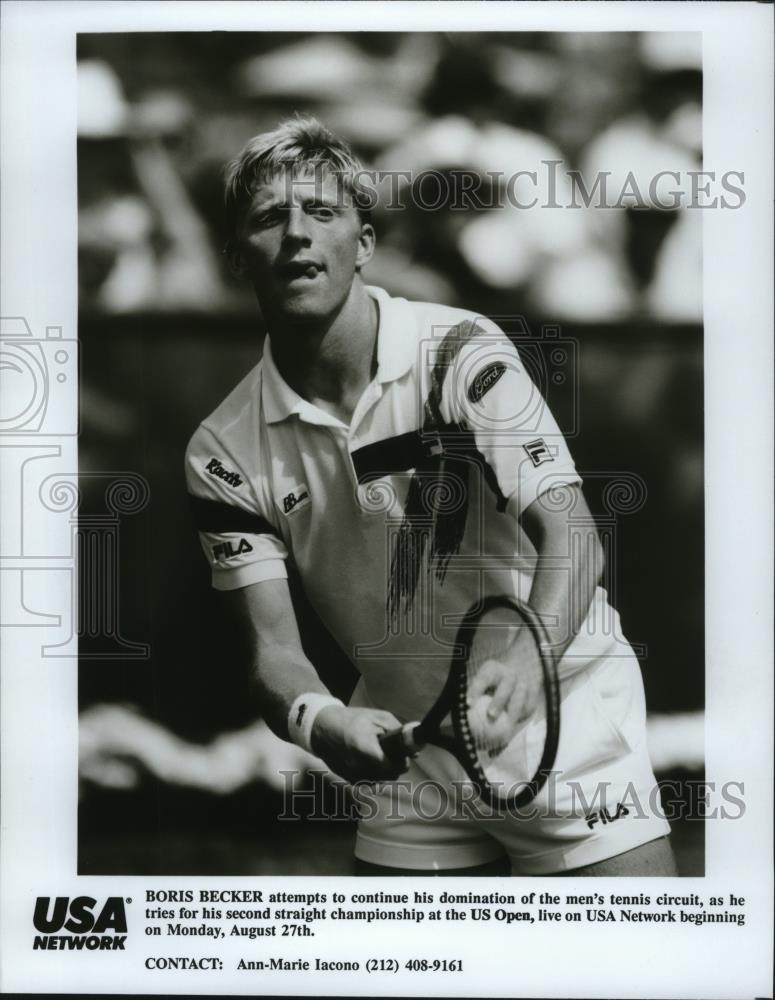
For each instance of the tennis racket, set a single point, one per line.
(508, 759)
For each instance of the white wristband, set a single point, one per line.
(302, 716)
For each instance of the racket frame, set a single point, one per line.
(464, 743)
(452, 701)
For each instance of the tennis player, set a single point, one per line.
(328, 456)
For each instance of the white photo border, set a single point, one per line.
(39, 695)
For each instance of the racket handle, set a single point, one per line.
(400, 743)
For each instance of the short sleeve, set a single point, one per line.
(240, 543)
(490, 392)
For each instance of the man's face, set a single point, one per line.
(300, 245)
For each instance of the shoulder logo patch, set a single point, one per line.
(297, 498)
(537, 451)
(215, 468)
(485, 380)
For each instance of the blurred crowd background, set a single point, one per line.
(179, 774)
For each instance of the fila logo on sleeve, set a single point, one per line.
(224, 551)
(298, 497)
(538, 452)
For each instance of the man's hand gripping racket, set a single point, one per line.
(499, 710)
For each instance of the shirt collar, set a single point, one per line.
(396, 343)
(395, 353)
(278, 399)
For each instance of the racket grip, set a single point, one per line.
(399, 744)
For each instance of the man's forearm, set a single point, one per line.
(280, 676)
(280, 670)
(564, 584)
(347, 739)
(569, 566)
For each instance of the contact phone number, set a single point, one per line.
(415, 965)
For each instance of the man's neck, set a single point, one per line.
(330, 364)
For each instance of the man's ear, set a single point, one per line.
(237, 264)
(367, 241)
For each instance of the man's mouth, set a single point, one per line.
(301, 269)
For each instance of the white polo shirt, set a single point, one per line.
(273, 478)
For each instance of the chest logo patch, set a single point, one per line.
(298, 497)
(485, 380)
(537, 451)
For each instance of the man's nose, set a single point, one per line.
(296, 224)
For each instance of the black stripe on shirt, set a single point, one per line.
(412, 449)
(391, 455)
(218, 517)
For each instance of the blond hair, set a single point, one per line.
(300, 144)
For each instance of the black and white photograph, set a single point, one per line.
(482, 380)
(384, 491)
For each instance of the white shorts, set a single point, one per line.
(601, 799)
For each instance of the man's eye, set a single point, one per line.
(270, 218)
(321, 211)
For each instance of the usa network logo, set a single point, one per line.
(87, 926)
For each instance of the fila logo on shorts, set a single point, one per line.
(606, 816)
(215, 468)
(297, 498)
(537, 452)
